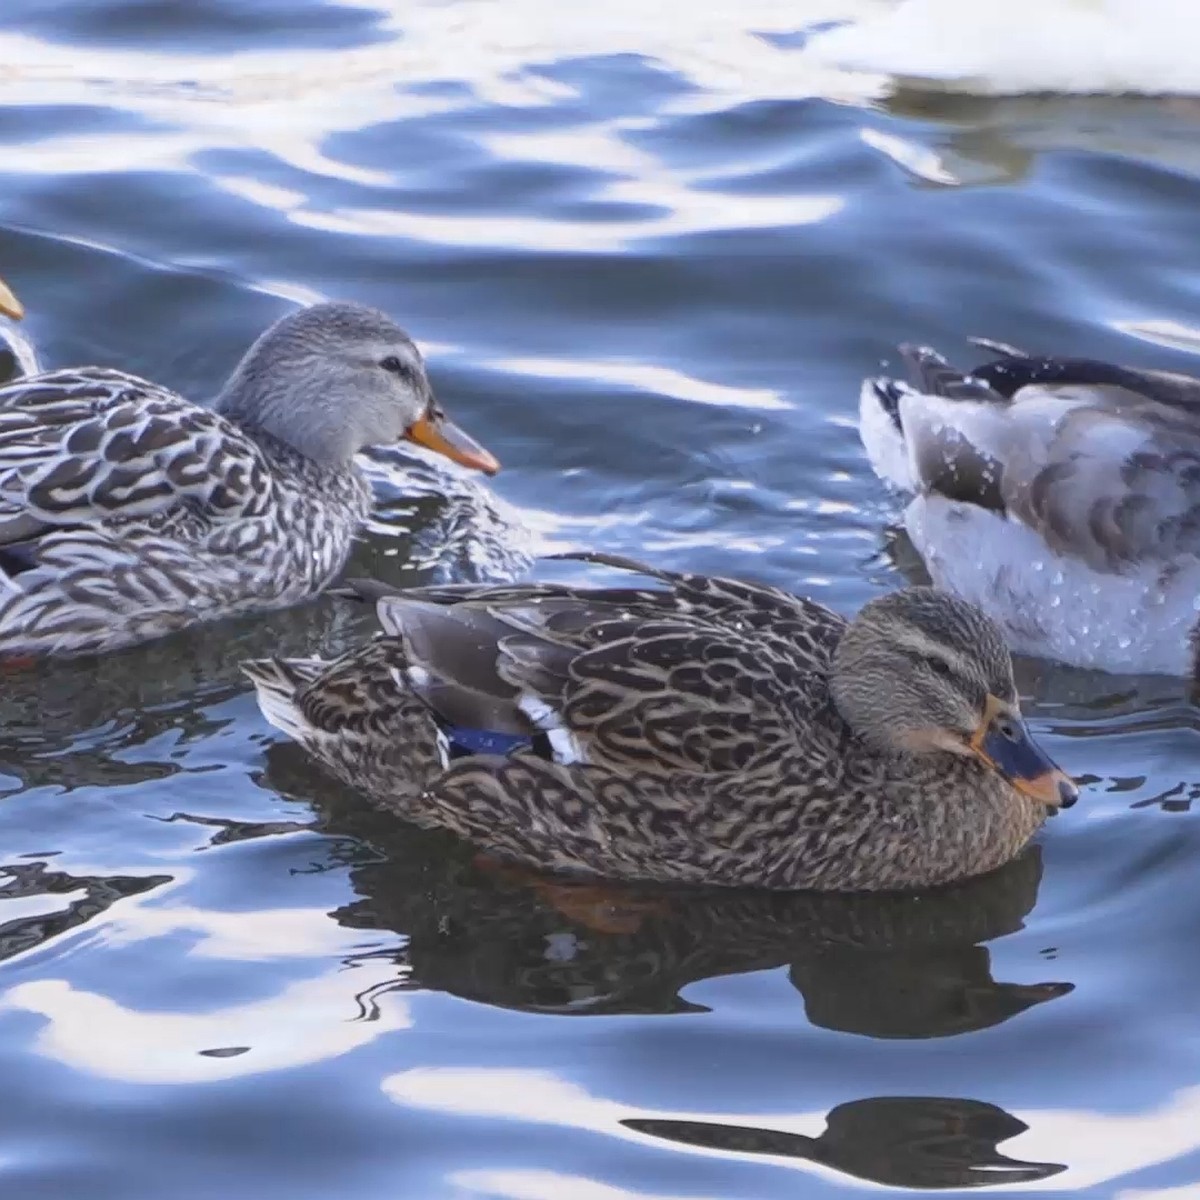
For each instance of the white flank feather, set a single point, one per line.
(883, 442)
(563, 743)
(1055, 607)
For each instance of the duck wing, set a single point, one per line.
(1102, 462)
(1014, 369)
(699, 675)
(92, 446)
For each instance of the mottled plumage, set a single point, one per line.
(127, 512)
(703, 730)
(1061, 495)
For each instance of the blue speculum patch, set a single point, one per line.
(483, 741)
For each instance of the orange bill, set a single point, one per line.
(10, 306)
(436, 433)
(1004, 742)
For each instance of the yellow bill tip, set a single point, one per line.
(1004, 743)
(10, 306)
(1055, 789)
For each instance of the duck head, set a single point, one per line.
(920, 671)
(332, 379)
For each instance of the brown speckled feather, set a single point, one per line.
(126, 512)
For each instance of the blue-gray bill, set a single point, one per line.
(1005, 743)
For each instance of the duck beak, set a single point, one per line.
(1004, 742)
(435, 432)
(10, 306)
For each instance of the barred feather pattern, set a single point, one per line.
(704, 745)
(137, 513)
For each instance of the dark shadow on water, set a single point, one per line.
(903, 966)
(28, 879)
(898, 1141)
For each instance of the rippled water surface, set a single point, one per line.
(651, 250)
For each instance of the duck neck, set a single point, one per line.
(303, 418)
(934, 818)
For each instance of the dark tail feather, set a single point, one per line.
(617, 561)
(932, 374)
(888, 393)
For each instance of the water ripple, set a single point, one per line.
(650, 251)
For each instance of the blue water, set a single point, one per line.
(650, 256)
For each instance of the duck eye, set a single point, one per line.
(1007, 730)
(940, 666)
(394, 365)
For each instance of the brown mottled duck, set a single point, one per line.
(128, 512)
(698, 730)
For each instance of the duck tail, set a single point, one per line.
(929, 372)
(619, 562)
(881, 405)
(882, 430)
(278, 682)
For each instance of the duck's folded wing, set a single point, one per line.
(679, 696)
(1098, 472)
(1015, 369)
(85, 447)
(602, 682)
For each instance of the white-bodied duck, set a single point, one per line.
(1061, 495)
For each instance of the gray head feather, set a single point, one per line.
(315, 381)
(916, 661)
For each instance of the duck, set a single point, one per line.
(693, 730)
(1019, 47)
(1060, 495)
(128, 512)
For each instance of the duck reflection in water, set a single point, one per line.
(900, 966)
(898, 1141)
